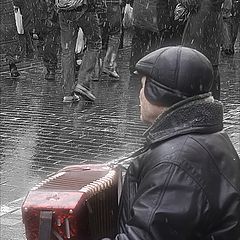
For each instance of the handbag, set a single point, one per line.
(181, 13)
(80, 44)
(18, 20)
(128, 16)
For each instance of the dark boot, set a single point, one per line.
(50, 75)
(13, 70)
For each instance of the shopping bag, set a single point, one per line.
(18, 20)
(128, 16)
(69, 4)
(181, 13)
(80, 42)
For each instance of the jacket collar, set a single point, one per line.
(198, 114)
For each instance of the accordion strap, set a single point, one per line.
(120, 162)
(45, 225)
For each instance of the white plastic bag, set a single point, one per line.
(181, 13)
(18, 20)
(68, 4)
(128, 16)
(80, 42)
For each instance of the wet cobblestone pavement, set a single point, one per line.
(40, 135)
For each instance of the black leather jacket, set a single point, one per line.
(186, 184)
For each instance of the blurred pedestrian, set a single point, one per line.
(112, 33)
(203, 32)
(231, 22)
(125, 29)
(71, 18)
(169, 25)
(146, 37)
(48, 31)
(236, 20)
(9, 39)
(26, 8)
(185, 181)
(227, 45)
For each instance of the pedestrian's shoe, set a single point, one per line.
(114, 74)
(13, 70)
(50, 75)
(111, 72)
(84, 92)
(73, 98)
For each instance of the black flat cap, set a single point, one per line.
(174, 74)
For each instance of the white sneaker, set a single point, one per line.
(73, 98)
(85, 92)
(111, 73)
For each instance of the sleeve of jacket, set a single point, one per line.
(167, 205)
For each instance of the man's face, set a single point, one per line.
(148, 111)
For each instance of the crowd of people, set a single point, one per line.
(208, 26)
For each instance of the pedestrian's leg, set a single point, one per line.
(29, 46)
(109, 64)
(235, 30)
(68, 43)
(216, 83)
(140, 43)
(236, 21)
(40, 44)
(89, 24)
(22, 41)
(155, 40)
(227, 36)
(13, 70)
(121, 38)
(12, 65)
(114, 20)
(50, 53)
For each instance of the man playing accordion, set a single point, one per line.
(186, 183)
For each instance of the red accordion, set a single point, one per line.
(78, 202)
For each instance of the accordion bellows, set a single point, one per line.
(80, 202)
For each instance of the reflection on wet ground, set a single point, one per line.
(39, 134)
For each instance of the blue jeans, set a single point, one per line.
(70, 21)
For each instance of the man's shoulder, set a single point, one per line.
(190, 148)
(197, 154)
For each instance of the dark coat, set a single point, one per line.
(46, 16)
(203, 30)
(186, 184)
(145, 14)
(170, 30)
(165, 14)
